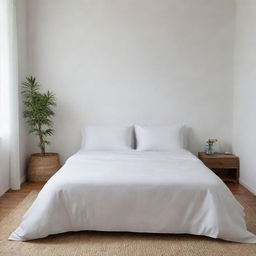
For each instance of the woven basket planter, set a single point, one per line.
(42, 167)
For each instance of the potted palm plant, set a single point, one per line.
(38, 111)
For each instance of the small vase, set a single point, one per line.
(209, 149)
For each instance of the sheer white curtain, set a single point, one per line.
(9, 119)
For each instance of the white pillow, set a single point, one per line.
(159, 138)
(101, 138)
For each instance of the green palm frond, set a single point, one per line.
(38, 110)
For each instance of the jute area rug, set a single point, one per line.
(118, 244)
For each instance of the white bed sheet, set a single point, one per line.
(158, 192)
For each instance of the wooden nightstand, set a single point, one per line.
(225, 166)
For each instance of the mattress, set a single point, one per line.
(155, 192)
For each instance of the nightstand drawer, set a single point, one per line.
(220, 163)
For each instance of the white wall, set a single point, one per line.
(148, 61)
(244, 133)
(23, 71)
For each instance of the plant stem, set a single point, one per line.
(42, 146)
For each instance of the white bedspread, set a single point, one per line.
(135, 191)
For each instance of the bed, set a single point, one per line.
(156, 192)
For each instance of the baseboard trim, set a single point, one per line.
(252, 190)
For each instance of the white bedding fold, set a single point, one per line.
(156, 192)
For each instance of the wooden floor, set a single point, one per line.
(13, 197)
